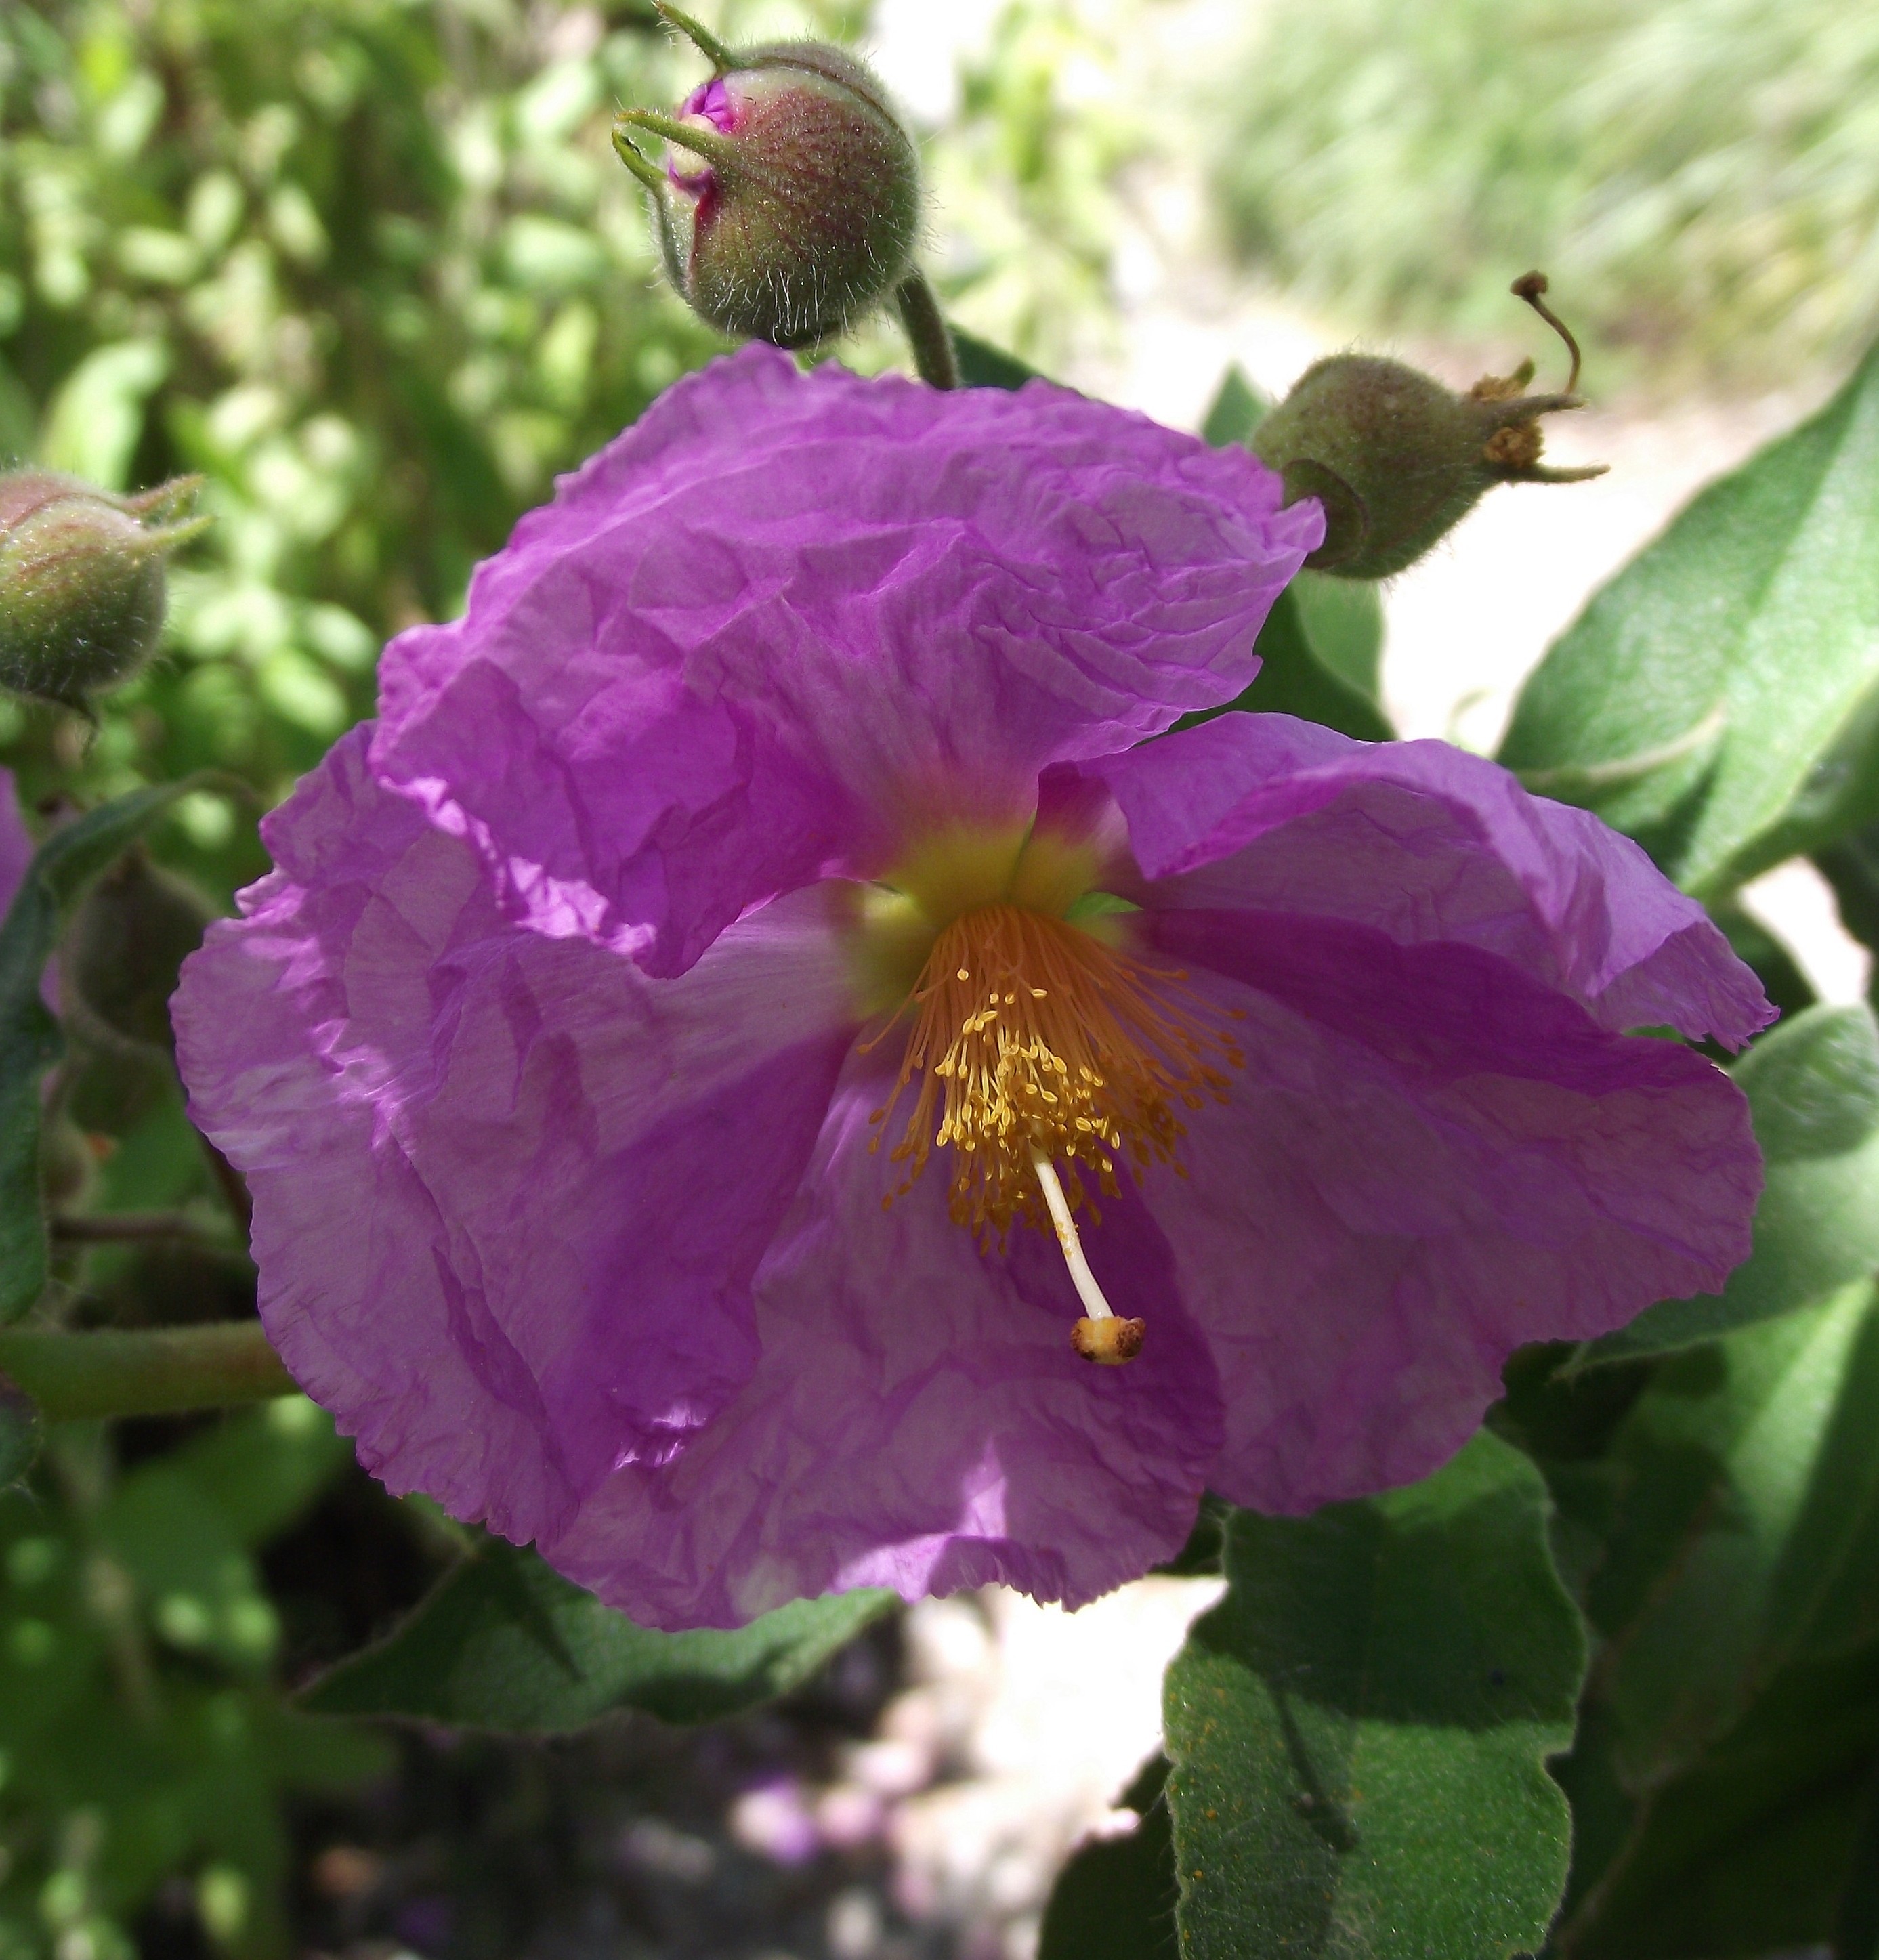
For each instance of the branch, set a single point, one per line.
(160, 1372)
(112, 1228)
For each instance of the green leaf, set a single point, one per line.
(1722, 1508)
(1718, 698)
(1114, 1899)
(1851, 865)
(1297, 679)
(505, 1642)
(261, 1467)
(1749, 1475)
(30, 1039)
(1360, 1730)
(1342, 620)
(1750, 1853)
(982, 365)
(1238, 408)
(1813, 1085)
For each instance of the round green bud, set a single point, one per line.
(791, 202)
(1398, 460)
(118, 960)
(82, 581)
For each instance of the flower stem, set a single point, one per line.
(113, 1228)
(160, 1371)
(926, 328)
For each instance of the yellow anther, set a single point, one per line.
(1080, 1050)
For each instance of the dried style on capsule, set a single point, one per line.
(1398, 460)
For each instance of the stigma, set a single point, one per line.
(1035, 1043)
(1102, 1335)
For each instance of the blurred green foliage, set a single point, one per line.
(1024, 180)
(1700, 177)
(141, 1738)
(371, 267)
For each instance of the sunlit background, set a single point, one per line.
(371, 268)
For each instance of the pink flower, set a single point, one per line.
(670, 1030)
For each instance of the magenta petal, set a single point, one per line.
(1427, 1161)
(775, 618)
(1425, 842)
(508, 1194)
(918, 1419)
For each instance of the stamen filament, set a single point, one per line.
(1030, 1036)
(1034, 1040)
(1080, 1276)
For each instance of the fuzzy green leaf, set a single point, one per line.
(1750, 1476)
(505, 1642)
(1360, 1730)
(1719, 699)
(1114, 1899)
(982, 365)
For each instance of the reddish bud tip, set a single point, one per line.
(790, 200)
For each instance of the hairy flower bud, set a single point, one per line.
(118, 962)
(82, 581)
(1398, 460)
(791, 202)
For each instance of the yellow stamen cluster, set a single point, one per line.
(1034, 1038)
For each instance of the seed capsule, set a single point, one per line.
(1397, 461)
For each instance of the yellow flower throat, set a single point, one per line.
(1037, 1039)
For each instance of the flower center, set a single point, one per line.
(1034, 1040)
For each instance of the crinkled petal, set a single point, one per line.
(1427, 1159)
(785, 614)
(918, 1419)
(509, 1194)
(1425, 843)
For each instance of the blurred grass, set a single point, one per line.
(1700, 177)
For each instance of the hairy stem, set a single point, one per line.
(160, 1372)
(926, 327)
(112, 1228)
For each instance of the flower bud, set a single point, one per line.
(1396, 460)
(791, 202)
(119, 961)
(82, 581)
